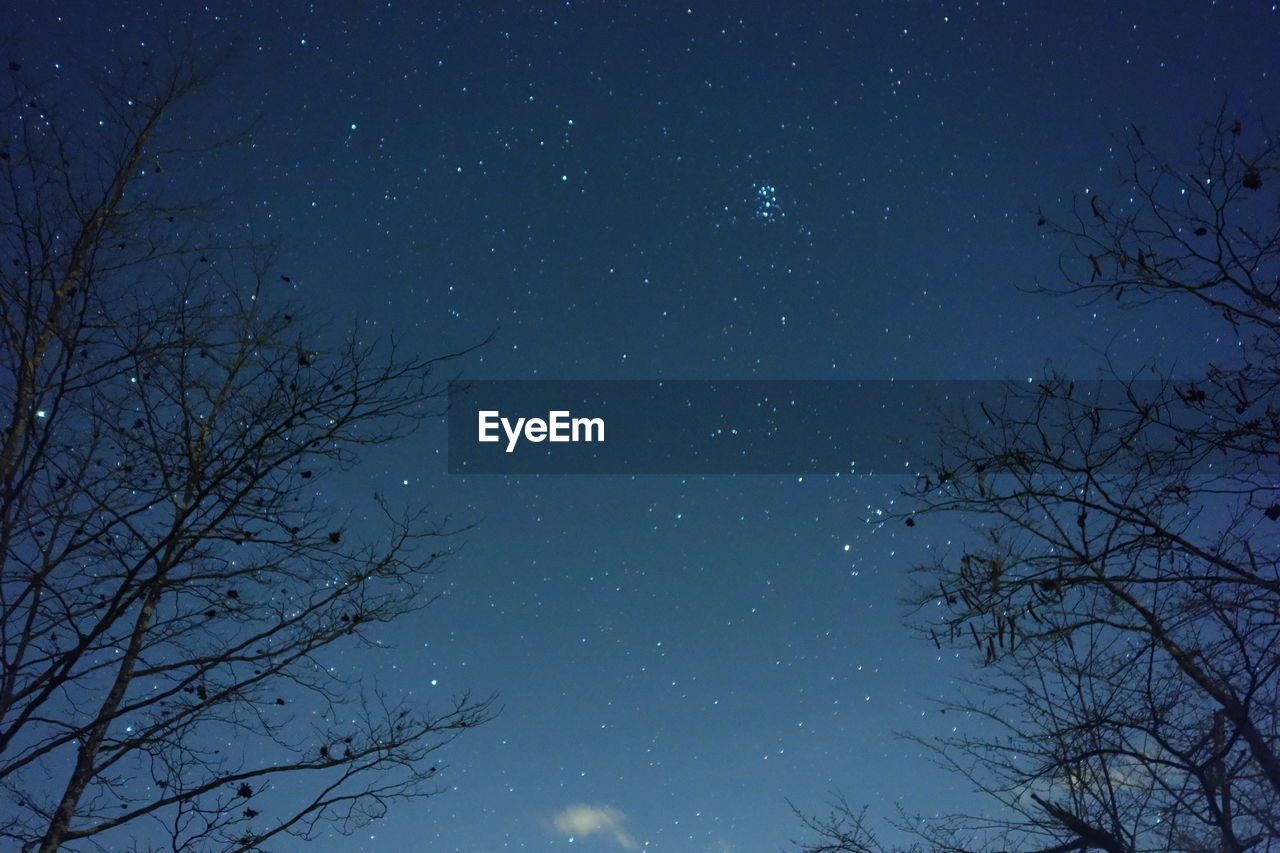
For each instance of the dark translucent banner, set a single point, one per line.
(738, 427)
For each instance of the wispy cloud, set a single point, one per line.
(581, 820)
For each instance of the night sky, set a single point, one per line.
(741, 190)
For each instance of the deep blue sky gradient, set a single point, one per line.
(584, 179)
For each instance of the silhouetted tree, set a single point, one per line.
(1121, 586)
(174, 589)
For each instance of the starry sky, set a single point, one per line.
(695, 190)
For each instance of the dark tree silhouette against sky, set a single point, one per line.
(172, 589)
(1122, 578)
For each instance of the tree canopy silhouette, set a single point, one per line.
(1120, 588)
(173, 587)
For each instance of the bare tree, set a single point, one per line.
(174, 586)
(1121, 586)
